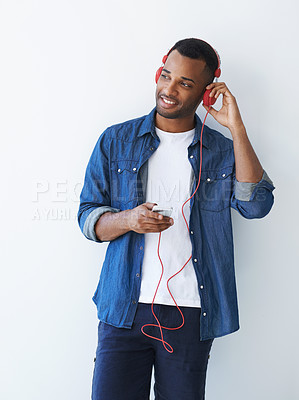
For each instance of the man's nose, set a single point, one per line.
(170, 89)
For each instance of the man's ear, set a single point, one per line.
(200, 98)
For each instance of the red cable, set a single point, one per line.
(165, 344)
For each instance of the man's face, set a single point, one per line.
(181, 86)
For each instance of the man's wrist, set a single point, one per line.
(126, 219)
(238, 131)
(112, 225)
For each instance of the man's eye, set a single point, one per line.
(185, 84)
(164, 76)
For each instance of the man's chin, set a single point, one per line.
(167, 114)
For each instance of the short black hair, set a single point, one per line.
(199, 50)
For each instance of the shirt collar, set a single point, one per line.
(148, 126)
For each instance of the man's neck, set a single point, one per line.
(174, 125)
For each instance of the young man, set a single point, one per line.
(156, 159)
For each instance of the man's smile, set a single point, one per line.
(166, 101)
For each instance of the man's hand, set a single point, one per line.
(229, 114)
(142, 220)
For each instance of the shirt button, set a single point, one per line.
(141, 248)
(151, 148)
(137, 275)
(208, 179)
(119, 170)
(134, 301)
(191, 232)
(191, 156)
(204, 314)
(223, 175)
(195, 259)
(134, 169)
(201, 286)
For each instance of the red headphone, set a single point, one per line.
(207, 101)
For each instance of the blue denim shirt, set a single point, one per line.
(115, 180)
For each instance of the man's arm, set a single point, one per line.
(252, 196)
(140, 219)
(248, 167)
(249, 171)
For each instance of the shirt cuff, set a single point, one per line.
(91, 220)
(244, 190)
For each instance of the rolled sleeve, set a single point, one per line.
(95, 198)
(244, 190)
(253, 200)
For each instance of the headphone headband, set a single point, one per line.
(217, 73)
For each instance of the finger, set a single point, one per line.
(223, 90)
(214, 84)
(153, 215)
(149, 205)
(155, 228)
(145, 209)
(218, 89)
(165, 219)
(154, 218)
(211, 110)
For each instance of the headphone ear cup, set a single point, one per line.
(207, 100)
(158, 73)
(217, 72)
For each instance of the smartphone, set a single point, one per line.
(166, 212)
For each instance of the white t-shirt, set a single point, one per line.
(168, 185)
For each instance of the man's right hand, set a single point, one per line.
(142, 220)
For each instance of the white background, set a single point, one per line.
(71, 68)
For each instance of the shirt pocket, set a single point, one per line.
(215, 188)
(124, 193)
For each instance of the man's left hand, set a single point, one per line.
(229, 114)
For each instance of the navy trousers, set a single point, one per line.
(125, 358)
